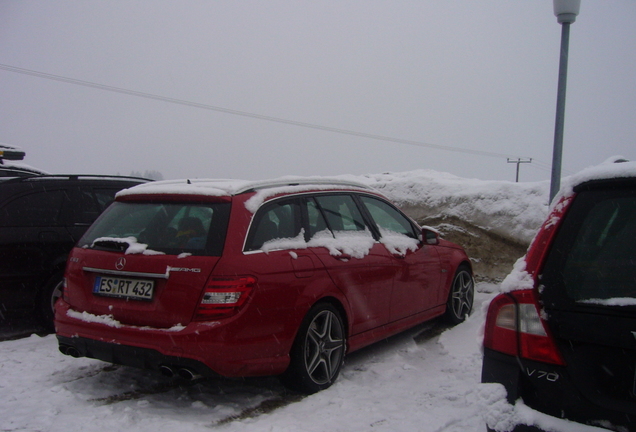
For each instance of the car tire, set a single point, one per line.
(461, 296)
(51, 291)
(318, 351)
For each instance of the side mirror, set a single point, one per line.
(430, 237)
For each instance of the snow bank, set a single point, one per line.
(513, 210)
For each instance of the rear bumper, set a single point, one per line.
(549, 390)
(208, 348)
(143, 358)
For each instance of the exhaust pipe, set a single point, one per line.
(69, 351)
(188, 374)
(166, 371)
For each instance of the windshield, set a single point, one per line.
(198, 229)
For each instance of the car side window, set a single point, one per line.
(86, 209)
(105, 197)
(388, 218)
(276, 220)
(36, 209)
(341, 212)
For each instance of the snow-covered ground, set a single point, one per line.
(417, 381)
(426, 379)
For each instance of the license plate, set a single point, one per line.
(138, 289)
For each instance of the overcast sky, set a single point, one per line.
(479, 77)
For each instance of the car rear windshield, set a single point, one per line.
(169, 228)
(593, 259)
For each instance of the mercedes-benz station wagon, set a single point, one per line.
(232, 278)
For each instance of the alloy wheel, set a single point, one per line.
(324, 347)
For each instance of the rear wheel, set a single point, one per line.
(318, 351)
(461, 295)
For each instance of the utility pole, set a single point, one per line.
(519, 161)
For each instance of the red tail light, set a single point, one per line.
(514, 327)
(223, 297)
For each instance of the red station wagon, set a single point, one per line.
(233, 278)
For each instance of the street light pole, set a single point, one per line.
(566, 12)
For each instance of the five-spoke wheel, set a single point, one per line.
(318, 351)
(460, 298)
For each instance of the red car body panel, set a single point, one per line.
(378, 295)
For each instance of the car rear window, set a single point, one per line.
(170, 228)
(593, 259)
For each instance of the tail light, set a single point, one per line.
(514, 327)
(223, 297)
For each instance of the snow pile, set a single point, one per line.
(501, 416)
(513, 210)
(519, 278)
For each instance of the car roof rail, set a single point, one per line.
(233, 187)
(40, 177)
(300, 181)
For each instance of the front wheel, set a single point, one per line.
(318, 351)
(460, 297)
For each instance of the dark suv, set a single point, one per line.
(240, 279)
(41, 218)
(561, 338)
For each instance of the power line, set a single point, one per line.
(248, 114)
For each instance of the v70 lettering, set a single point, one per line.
(539, 374)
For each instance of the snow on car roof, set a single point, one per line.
(203, 187)
(615, 167)
(224, 187)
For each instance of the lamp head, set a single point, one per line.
(566, 10)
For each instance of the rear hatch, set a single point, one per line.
(146, 263)
(588, 289)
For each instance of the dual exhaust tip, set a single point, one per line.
(166, 370)
(182, 372)
(70, 350)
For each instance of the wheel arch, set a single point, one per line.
(337, 304)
